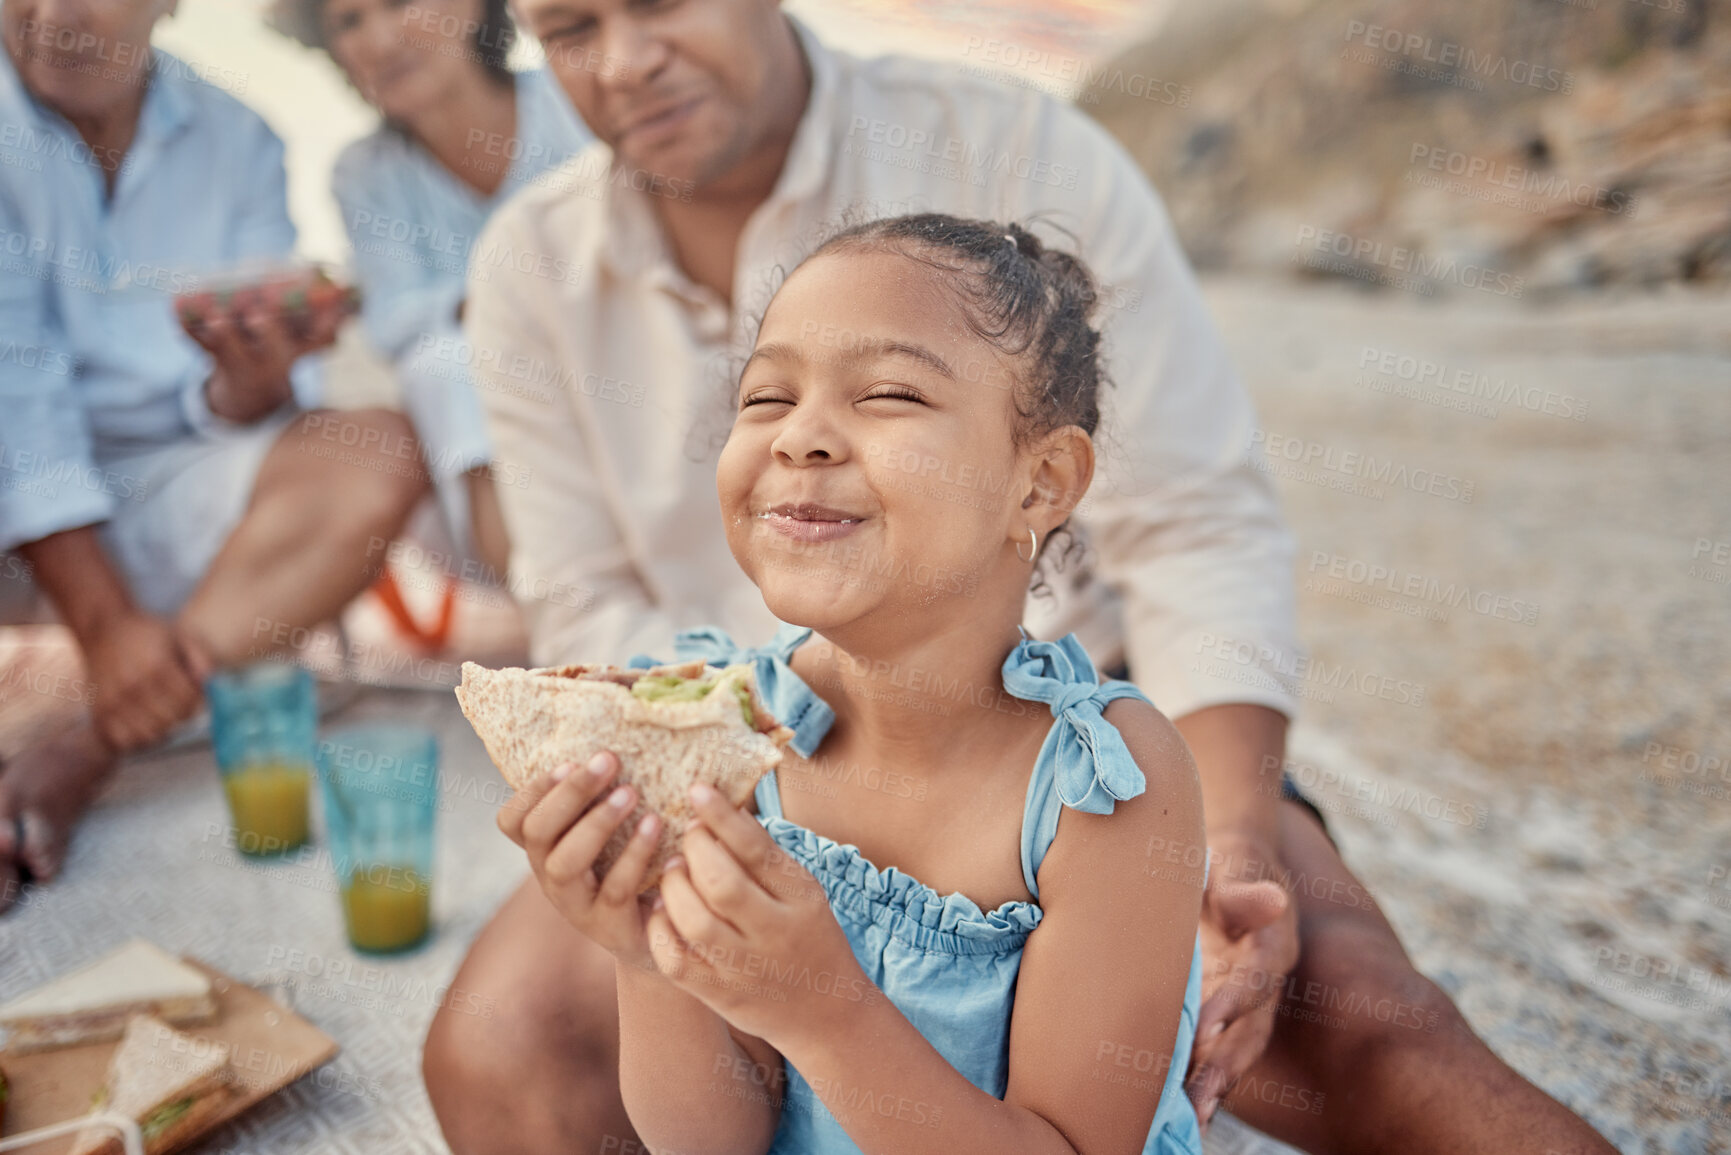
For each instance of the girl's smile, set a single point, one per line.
(809, 522)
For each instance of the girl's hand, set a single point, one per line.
(563, 819)
(747, 930)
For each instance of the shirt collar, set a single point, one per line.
(812, 152)
(167, 107)
(634, 243)
(167, 104)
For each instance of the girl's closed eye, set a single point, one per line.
(895, 393)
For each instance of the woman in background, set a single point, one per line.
(461, 133)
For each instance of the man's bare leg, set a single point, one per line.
(43, 790)
(335, 483)
(1403, 1072)
(300, 553)
(541, 1076)
(523, 1059)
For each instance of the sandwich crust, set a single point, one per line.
(156, 1065)
(534, 720)
(94, 1002)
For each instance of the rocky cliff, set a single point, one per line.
(1512, 146)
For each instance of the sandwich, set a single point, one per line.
(93, 1003)
(671, 726)
(173, 1084)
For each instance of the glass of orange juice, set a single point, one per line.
(381, 789)
(263, 719)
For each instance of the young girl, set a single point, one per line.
(945, 929)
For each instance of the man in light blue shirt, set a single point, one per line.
(167, 494)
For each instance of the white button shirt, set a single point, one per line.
(607, 378)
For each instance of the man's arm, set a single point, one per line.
(571, 569)
(146, 677)
(1187, 530)
(1249, 923)
(48, 512)
(405, 296)
(258, 362)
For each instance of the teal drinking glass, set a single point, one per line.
(263, 719)
(381, 789)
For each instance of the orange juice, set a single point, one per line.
(269, 803)
(387, 908)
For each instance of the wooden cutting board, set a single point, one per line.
(269, 1048)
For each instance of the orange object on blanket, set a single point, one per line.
(391, 597)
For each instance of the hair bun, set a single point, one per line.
(1025, 242)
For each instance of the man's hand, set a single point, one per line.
(254, 351)
(1249, 945)
(147, 678)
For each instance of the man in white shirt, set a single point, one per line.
(601, 339)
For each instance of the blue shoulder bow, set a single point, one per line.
(1092, 768)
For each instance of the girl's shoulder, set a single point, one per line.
(1151, 840)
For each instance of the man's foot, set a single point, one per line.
(43, 790)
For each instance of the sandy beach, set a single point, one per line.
(1515, 719)
(1546, 826)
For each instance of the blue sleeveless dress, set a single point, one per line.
(947, 965)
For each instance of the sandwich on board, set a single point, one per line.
(671, 726)
(173, 1084)
(93, 1003)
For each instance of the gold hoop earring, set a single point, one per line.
(1033, 546)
